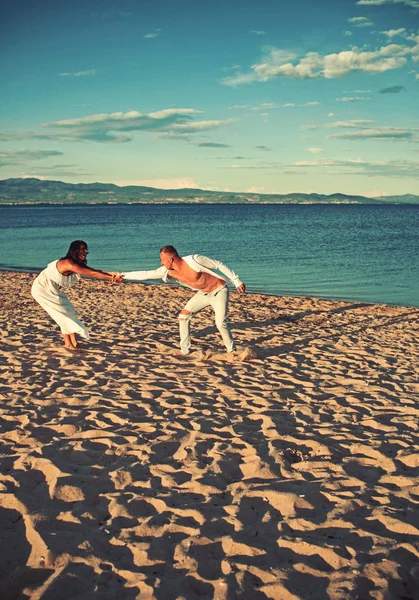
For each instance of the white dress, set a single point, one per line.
(46, 289)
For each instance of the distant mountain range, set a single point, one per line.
(37, 191)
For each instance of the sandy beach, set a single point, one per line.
(289, 471)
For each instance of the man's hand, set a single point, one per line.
(241, 289)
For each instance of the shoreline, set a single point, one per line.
(37, 270)
(128, 470)
(180, 203)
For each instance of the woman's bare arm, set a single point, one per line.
(66, 265)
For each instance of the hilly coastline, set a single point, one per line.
(37, 191)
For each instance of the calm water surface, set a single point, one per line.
(353, 252)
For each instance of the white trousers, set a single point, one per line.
(219, 302)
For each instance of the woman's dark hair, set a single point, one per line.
(73, 253)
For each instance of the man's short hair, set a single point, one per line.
(169, 250)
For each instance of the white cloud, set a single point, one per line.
(360, 22)
(353, 123)
(314, 150)
(200, 125)
(80, 73)
(174, 123)
(239, 79)
(330, 114)
(312, 104)
(258, 32)
(415, 49)
(265, 106)
(248, 167)
(256, 190)
(17, 157)
(354, 166)
(392, 32)
(232, 68)
(374, 194)
(363, 130)
(167, 112)
(359, 166)
(352, 99)
(56, 171)
(170, 135)
(115, 126)
(376, 133)
(212, 145)
(328, 162)
(153, 34)
(14, 136)
(411, 3)
(277, 63)
(175, 183)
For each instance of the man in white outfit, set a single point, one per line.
(194, 271)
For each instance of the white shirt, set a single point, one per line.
(197, 262)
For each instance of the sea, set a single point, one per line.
(366, 253)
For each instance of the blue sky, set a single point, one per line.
(263, 96)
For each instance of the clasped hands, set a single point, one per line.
(116, 277)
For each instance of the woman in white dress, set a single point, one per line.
(61, 274)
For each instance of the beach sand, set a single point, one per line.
(290, 471)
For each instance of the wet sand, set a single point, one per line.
(289, 471)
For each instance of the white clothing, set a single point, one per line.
(197, 262)
(219, 302)
(46, 289)
(218, 299)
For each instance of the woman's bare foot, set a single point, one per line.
(70, 342)
(71, 348)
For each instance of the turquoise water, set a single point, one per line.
(354, 252)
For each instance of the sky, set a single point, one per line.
(268, 96)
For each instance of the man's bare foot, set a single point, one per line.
(242, 354)
(205, 355)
